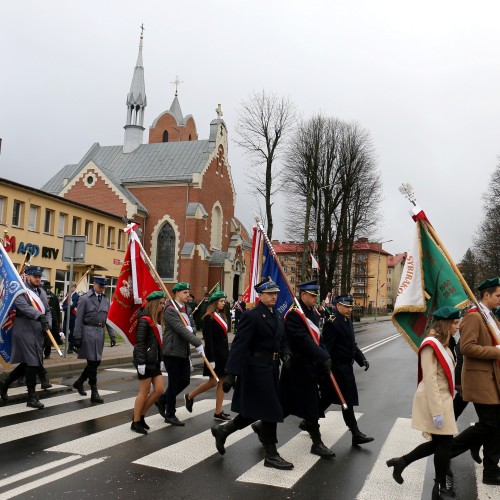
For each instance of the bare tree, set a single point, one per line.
(263, 125)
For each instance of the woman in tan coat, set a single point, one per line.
(433, 402)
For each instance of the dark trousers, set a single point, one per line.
(28, 372)
(440, 446)
(459, 405)
(486, 431)
(178, 370)
(90, 372)
(269, 435)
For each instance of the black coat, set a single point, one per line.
(256, 392)
(147, 350)
(338, 339)
(299, 383)
(239, 309)
(216, 346)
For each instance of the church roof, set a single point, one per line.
(175, 110)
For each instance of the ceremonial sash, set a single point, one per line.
(314, 329)
(444, 359)
(217, 317)
(155, 327)
(489, 320)
(35, 299)
(238, 305)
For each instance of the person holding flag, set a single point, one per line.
(33, 318)
(339, 341)
(239, 308)
(299, 379)
(177, 338)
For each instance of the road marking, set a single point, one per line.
(134, 371)
(49, 403)
(53, 477)
(297, 451)
(122, 433)
(52, 423)
(37, 470)
(400, 440)
(16, 391)
(380, 342)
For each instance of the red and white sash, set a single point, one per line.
(155, 327)
(36, 300)
(444, 359)
(217, 317)
(314, 329)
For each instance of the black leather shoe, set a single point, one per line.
(78, 385)
(95, 397)
(491, 479)
(161, 409)
(137, 427)
(189, 403)
(361, 438)
(112, 343)
(399, 466)
(321, 450)
(33, 401)
(174, 421)
(45, 384)
(277, 462)
(224, 417)
(144, 424)
(3, 391)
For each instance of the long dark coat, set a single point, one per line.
(216, 346)
(338, 339)
(256, 394)
(299, 384)
(92, 337)
(27, 333)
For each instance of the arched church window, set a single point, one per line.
(216, 233)
(165, 253)
(165, 136)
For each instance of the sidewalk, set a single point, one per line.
(121, 354)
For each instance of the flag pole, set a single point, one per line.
(297, 304)
(204, 300)
(165, 290)
(407, 191)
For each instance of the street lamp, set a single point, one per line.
(317, 218)
(378, 275)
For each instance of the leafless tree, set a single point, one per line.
(264, 123)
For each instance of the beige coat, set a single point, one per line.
(433, 396)
(481, 372)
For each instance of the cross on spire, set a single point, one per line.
(218, 110)
(142, 29)
(176, 82)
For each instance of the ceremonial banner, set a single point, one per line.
(314, 262)
(427, 283)
(11, 285)
(134, 284)
(270, 268)
(255, 266)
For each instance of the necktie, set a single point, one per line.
(183, 309)
(99, 297)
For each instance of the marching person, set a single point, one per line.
(177, 338)
(33, 318)
(339, 341)
(299, 381)
(72, 311)
(215, 330)
(90, 321)
(253, 370)
(432, 410)
(239, 308)
(147, 358)
(55, 310)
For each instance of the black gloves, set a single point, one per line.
(43, 320)
(326, 367)
(229, 382)
(366, 364)
(286, 359)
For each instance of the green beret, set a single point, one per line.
(156, 295)
(447, 312)
(491, 283)
(180, 287)
(216, 296)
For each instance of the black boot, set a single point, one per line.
(257, 428)
(4, 385)
(33, 401)
(450, 481)
(399, 465)
(137, 427)
(274, 460)
(357, 436)
(441, 492)
(144, 424)
(94, 395)
(44, 383)
(78, 385)
(220, 432)
(318, 447)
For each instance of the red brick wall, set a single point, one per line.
(176, 133)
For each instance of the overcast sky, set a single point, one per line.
(422, 77)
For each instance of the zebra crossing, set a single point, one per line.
(182, 452)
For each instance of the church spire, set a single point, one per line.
(136, 102)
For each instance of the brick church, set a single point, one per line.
(178, 188)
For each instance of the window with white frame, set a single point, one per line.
(33, 223)
(111, 237)
(48, 223)
(61, 226)
(17, 213)
(2, 204)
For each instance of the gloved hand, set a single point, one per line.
(366, 364)
(200, 350)
(438, 421)
(326, 367)
(77, 343)
(286, 359)
(61, 334)
(229, 382)
(43, 320)
(212, 364)
(141, 369)
(190, 328)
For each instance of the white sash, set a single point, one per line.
(36, 300)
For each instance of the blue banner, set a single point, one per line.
(270, 268)
(11, 286)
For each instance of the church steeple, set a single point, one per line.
(136, 102)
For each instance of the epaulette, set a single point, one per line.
(332, 318)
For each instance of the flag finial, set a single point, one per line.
(406, 190)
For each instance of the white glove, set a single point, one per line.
(212, 364)
(141, 369)
(61, 334)
(438, 421)
(200, 350)
(190, 328)
(162, 366)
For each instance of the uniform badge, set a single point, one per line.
(264, 316)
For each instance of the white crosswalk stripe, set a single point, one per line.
(133, 371)
(16, 391)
